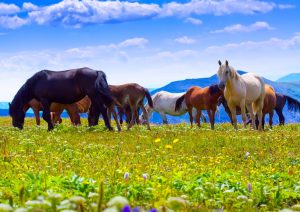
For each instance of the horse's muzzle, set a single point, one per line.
(221, 85)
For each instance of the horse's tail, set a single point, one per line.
(102, 87)
(179, 102)
(149, 98)
(293, 104)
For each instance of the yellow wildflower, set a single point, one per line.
(168, 146)
(175, 141)
(157, 140)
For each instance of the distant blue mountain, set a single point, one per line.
(295, 77)
(290, 89)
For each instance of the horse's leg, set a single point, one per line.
(232, 109)
(46, 113)
(190, 111)
(211, 115)
(259, 105)
(164, 117)
(198, 117)
(243, 112)
(145, 115)
(103, 111)
(113, 111)
(37, 116)
(94, 113)
(252, 117)
(271, 119)
(132, 119)
(280, 115)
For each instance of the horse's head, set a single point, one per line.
(225, 72)
(18, 116)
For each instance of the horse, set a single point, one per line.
(73, 110)
(201, 99)
(64, 87)
(268, 108)
(246, 90)
(131, 95)
(281, 100)
(164, 104)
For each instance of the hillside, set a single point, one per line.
(294, 77)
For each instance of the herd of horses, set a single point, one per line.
(85, 90)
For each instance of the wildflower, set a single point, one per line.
(249, 187)
(145, 176)
(168, 146)
(247, 155)
(4, 207)
(39, 150)
(175, 141)
(157, 140)
(126, 176)
(126, 209)
(152, 210)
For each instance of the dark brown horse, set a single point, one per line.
(131, 96)
(281, 100)
(201, 99)
(273, 101)
(64, 87)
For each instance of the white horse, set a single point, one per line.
(164, 103)
(246, 90)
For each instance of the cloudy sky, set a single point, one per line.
(149, 42)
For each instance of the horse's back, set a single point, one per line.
(165, 102)
(255, 86)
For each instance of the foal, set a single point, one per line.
(201, 99)
(131, 95)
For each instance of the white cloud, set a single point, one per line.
(8, 9)
(216, 7)
(79, 12)
(194, 21)
(12, 22)
(185, 40)
(286, 6)
(259, 25)
(176, 54)
(76, 13)
(272, 43)
(28, 6)
(137, 42)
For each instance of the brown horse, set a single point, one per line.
(201, 99)
(56, 110)
(268, 108)
(131, 95)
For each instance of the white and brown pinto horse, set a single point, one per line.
(244, 91)
(164, 103)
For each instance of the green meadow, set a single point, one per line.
(168, 168)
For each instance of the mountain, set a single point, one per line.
(290, 89)
(295, 77)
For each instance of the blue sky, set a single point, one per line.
(149, 42)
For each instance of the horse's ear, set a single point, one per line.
(226, 63)
(219, 62)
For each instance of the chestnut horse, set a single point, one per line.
(201, 99)
(268, 108)
(131, 96)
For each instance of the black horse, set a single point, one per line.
(281, 99)
(65, 87)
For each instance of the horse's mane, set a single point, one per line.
(24, 94)
(213, 89)
(234, 73)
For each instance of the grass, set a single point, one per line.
(203, 169)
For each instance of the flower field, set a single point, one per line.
(168, 168)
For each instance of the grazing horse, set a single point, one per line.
(131, 95)
(55, 108)
(201, 99)
(245, 91)
(164, 104)
(64, 87)
(269, 106)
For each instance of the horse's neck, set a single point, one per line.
(22, 97)
(231, 86)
